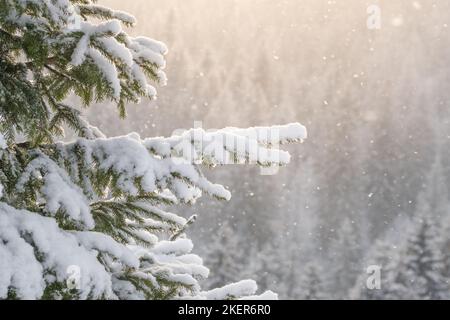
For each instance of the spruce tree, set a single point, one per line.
(422, 268)
(415, 269)
(226, 255)
(312, 285)
(386, 256)
(87, 219)
(345, 257)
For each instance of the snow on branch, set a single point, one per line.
(57, 189)
(73, 176)
(122, 60)
(35, 253)
(3, 144)
(106, 13)
(106, 45)
(172, 262)
(244, 290)
(273, 135)
(230, 145)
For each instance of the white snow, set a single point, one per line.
(242, 290)
(102, 243)
(108, 69)
(59, 191)
(117, 14)
(20, 231)
(274, 134)
(3, 144)
(167, 216)
(153, 45)
(99, 43)
(173, 261)
(179, 246)
(268, 295)
(123, 16)
(234, 290)
(230, 145)
(117, 49)
(90, 31)
(79, 54)
(151, 161)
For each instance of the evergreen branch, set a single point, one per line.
(180, 231)
(62, 74)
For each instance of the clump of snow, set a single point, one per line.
(59, 191)
(242, 290)
(230, 145)
(234, 290)
(102, 243)
(79, 54)
(134, 53)
(164, 215)
(108, 69)
(173, 247)
(173, 261)
(23, 233)
(117, 14)
(117, 49)
(3, 144)
(273, 135)
(268, 295)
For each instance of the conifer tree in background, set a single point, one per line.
(279, 264)
(386, 256)
(421, 269)
(415, 269)
(92, 211)
(421, 272)
(270, 267)
(226, 255)
(302, 236)
(345, 256)
(312, 285)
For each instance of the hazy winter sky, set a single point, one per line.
(321, 42)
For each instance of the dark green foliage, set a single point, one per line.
(36, 74)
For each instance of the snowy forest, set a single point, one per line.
(368, 186)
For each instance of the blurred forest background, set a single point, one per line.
(371, 184)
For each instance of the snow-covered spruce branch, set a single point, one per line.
(230, 145)
(113, 186)
(88, 219)
(65, 51)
